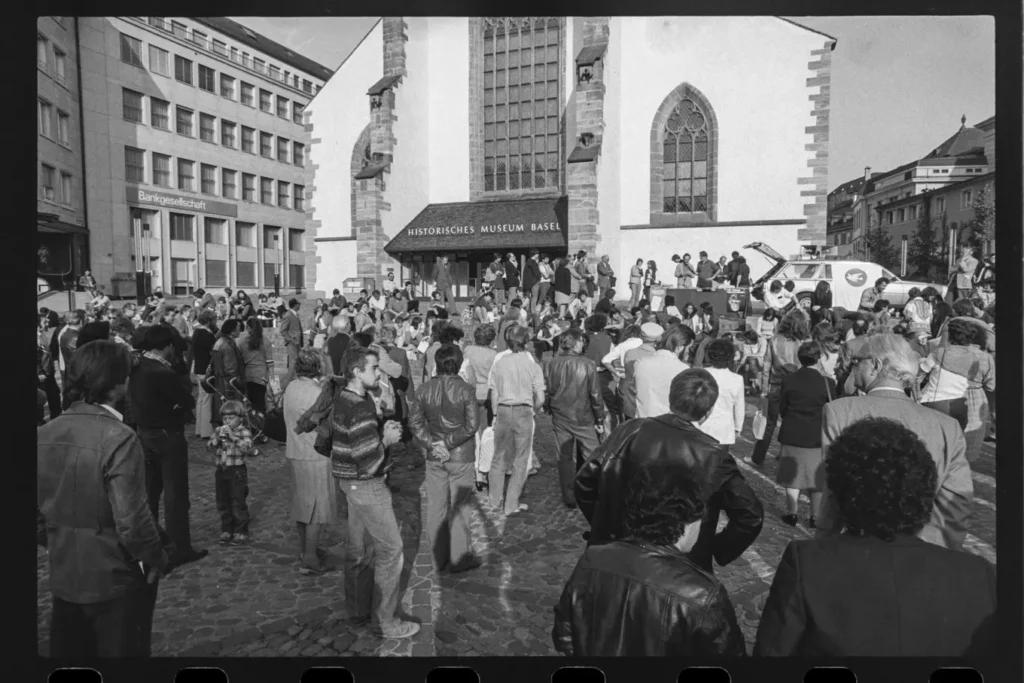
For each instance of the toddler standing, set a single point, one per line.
(232, 443)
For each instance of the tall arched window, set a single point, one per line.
(684, 151)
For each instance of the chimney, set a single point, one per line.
(867, 173)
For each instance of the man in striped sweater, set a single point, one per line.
(359, 461)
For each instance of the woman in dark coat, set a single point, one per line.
(563, 286)
(512, 276)
(203, 340)
(227, 364)
(821, 303)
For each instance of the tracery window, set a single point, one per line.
(522, 62)
(685, 161)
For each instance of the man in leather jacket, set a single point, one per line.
(576, 406)
(674, 440)
(642, 595)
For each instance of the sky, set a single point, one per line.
(899, 84)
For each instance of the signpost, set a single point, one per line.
(277, 266)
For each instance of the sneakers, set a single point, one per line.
(403, 629)
(240, 539)
(225, 538)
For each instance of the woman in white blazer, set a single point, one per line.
(726, 419)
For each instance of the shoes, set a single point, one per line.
(811, 524)
(225, 538)
(789, 519)
(750, 462)
(532, 472)
(465, 565)
(192, 555)
(991, 438)
(262, 438)
(481, 485)
(403, 629)
(523, 507)
(571, 506)
(240, 539)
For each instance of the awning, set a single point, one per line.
(503, 224)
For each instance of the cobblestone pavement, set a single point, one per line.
(253, 602)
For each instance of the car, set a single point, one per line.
(848, 279)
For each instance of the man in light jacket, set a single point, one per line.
(291, 332)
(965, 268)
(443, 282)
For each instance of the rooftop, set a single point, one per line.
(964, 142)
(247, 36)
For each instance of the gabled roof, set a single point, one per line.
(246, 36)
(965, 142)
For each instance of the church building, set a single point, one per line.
(632, 137)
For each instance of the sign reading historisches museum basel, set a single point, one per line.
(139, 195)
(470, 230)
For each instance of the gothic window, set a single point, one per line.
(684, 158)
(522, 63)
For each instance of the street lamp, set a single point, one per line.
(277, 266)
(140, 274)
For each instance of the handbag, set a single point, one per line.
(759, 424)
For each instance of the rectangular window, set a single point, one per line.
(215, 230)
(234, 55)
(268, 274)
(275, 72)
(247, 94)
(158, 114)
(228, 187)
(131, 105)
(245, 274)
(199, 38)
(270, 235)
(48, 181)
(216, 273)
(158, 22)
(63, 128)
(888, 217)
(161, 170)
(131, 50)
(297, 112)
(46, 118)
(134, 165)
(259, 65)
(245, 235)
(295, 240)
(248, 187)
(181, 227)
(42, 51)
(296, 276)
(227, 133)
(966, 197)
(900, 215)
(940, 205)
(206, 128)
(186, 175)
(184, 121)
(264, 100)
(158, 62)
(208, 179)
(913, 213)
(282, 194)
(227, 86)
(207, 78)
(65, 189)
(307, 86)
(59, 64)
(265, 145)
(282, 150)
(183, 70)
(180, 30)
(282, 107)
(220, 47)
(300, 198)
(299, 154)
(248, 140)
(266, 191)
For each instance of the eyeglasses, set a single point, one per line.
(857, 360)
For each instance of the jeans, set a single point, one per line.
(568, 437)
(761, 447)
(293, 355)
(543, 292)
(534, 297)
(167, 473)
(635, 298)
(446, 297)
(450, 486)
(257, 394)
(122, 627)
(52, 396)
(232, 488)
(373, 558)
(513, 434)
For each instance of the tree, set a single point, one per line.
(878, 245)
(924, 252)
(983, 227)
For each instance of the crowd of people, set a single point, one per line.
(881, 413)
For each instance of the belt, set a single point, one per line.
(514, 405)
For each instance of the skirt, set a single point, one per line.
(801, 468)
(562, 299)
(314, 499)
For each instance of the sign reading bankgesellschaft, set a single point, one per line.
(139, 195)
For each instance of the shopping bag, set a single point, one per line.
(485, 451)
(759, 424)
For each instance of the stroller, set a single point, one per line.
(266, 426)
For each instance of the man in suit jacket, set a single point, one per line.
(532, 277)
(443, 282)
(63, 345)
(883, 368)
(291, 332)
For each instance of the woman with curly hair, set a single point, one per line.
(313, 496)
(227, 365)
(780, 360)
(258, 354)
(828, 340)
(877, 589)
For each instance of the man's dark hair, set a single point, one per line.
(929, 293)
(794, 326)
(484, 335)
(336, 292)
(707, 307)
(860, 327)
(881, 305)
(882, 477)
(720, 353)
(448, 359)
(775, 287)
(913, 293)
(750, 336)
(158, 337)
(596, 323)
(96, 368)
(76, 317)
(735, 254)
(229, 326)
(881, 281)
(98, 330)
(200, 293)
(294, 304)
(354, 360)
(959, 332)
(659, 504)
(963, 308)
(692, 394)
(568, 339)
(809, 353)
(676, 338)
(450, 334)
(363, 339)
(789, 286)
(517, 338)
(610, 294)
(670, 300)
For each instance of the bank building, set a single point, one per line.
(635, 137)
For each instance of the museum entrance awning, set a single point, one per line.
(502, 224)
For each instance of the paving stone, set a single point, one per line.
(287, 646)
(343, 642)
(294, 629)
(446, 636)
(240, 637)
(311, 650)
(278, 625)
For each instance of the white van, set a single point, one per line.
(848, 279)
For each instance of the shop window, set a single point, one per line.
(216, 273)
(181, 227)
(683, 160)
(522, 68)
(216, 231)
(245, 274)
(245, 235)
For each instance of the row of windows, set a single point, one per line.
(54, 127)
(221, 48)
(911, 213)
(215, 231)
(287, 151)
(49, 55)
(51, 191)
(842, 237)
(213, 181)
(245, 93)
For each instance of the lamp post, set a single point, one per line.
(140, 272)
(903, 257)
(277, 266)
